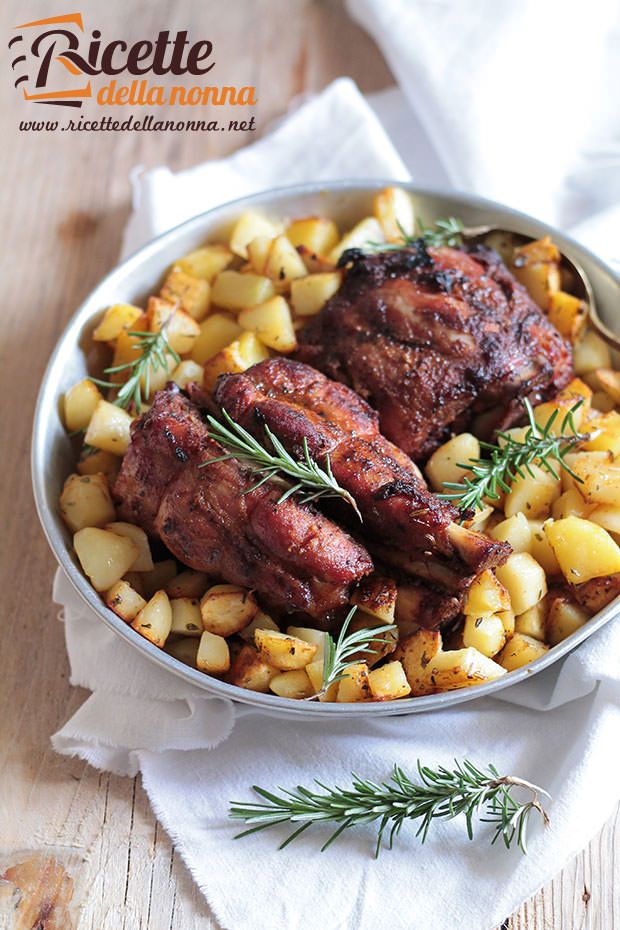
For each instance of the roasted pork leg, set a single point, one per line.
(294, 557)
(413, 528)
(436, 339)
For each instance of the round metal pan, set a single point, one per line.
(138, 276)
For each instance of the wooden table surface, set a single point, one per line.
(65, 199)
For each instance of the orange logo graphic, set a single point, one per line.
(38, 54)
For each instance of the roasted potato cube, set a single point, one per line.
(590, 353)
(310, 294)
(532, 621)
(244, 352)
(258, 253)
(599, 477)
(533, 495)
(250, 670)
(155, 619)
(514, 530)
(98, 462)
(485, 633)
(188, 583)
(416, 653)
(388, 682)
(227, 608)
(602, 402)
(379, 648)
(182, 330)
(116, 318)
(524, 580)
(250, 225)
(609, 381)
(260, 621)
(86, 501)
(444, 464)
(314, 671)
(189, 293)
(584, 549)
(568, 314)
(186, 618)
(184, 649)
(186, 372)
(80, 402)
(570, 504)
(462, 668)
(553, 413)
(104, 556)
(354, 686)
(233, 290)
(284, 263)
(315, 233)
(605, 432)
(205, 262)
(213, 654)
(563, 619)
(393, 208)
(537, 266)
(109, 429)
(520, 650)
(160, 577)
(367, 230)
(272, 324)
(508, 621)
(144, 561)
(376, 595)
(282, 651)
(598, 592)
(606, 516)
(315, 637)
(486, 596)
(124, 600)
(294, 685)
(216, 332)
(127, 350)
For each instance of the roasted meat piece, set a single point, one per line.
(293, 556)
(436, 339)
(411, 525)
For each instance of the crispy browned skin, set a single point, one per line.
(436, 340)
(299, 403)
(293, 556)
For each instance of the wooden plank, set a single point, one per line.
(66, 199)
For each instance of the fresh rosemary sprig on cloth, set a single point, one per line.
(440, 794)
(340, 654)
(310, 480)
(504, 463)
(443, 232)
(153, 349)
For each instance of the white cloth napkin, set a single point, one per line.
(197, 753)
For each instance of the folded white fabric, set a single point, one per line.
(197, 753)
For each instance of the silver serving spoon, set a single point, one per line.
(571, 270)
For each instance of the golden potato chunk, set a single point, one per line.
(524, 579)
(537, 266)
(376, 595)
(258, 253)
(86, 501)
(514, 530)
(282, 651)
(155, 619)
(354, 685)
(144, 561)
(605, 433)
(272, 323)
(486, 596)
(189, 293)
(213, 654)
(314, 671)
(393, 208)
(216, 332)
(186, 372)
(250, 670)
(116, 318)
(389, 682)
(564, 618)
(284, 263)
(416, 654)
(532, 622)
(233, 290)
(260, 621)
(124, 600)
(104, 556)
(520, 650)
(568, 314)
(570, 504)
(590, 353)
(205, 262)
(250, 225)
(462, 668)
(186, 617)
(308, 635)
(444, 464)
(294, 685)
(227, 608)
(583, 549)
(485, 633)
(541, 549)
(316, 234)
(80, 402)
(597, 592)
(367, 230)
(109, 429)
(188, 583)
(533, 495)
(244, 352)
(182, 330)
(310, 294)
(98, 462)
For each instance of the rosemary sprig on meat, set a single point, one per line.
(439, 794)
(311, 481)
(340, 654)
(513, 457)
(447, 231)
(152, 351)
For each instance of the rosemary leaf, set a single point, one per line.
(153, 349)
